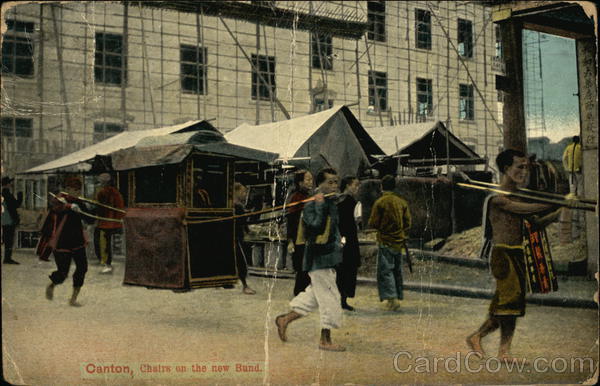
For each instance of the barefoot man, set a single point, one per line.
(507, 261)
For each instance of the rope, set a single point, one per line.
(273, 209)
(95, 203)
(89, 214)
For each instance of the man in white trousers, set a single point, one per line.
(319, 227)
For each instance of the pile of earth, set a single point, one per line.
(468, 244)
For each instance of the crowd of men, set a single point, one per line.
(322, 240)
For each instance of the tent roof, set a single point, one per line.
(287, 137)
(424, 143)
(78, 160)
(155, 155)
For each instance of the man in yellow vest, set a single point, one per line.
(572, 163)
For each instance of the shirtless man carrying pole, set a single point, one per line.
(507, 261)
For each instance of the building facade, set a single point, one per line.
(76, 73)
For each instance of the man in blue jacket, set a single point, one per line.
(319, 227)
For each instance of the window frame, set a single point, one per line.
(375, 19)
(259, 90)
(419, 32)
(199, 67)
(498, 55)
(14, 132)
(466, 102)
(465, 38)
(119, 71)
(324, 61)
(18, 34)
(428, 93)
(104, 132)
(320, 104)
(376, 89)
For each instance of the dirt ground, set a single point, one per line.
(133, 335)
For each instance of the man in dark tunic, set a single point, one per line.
(303, 181)
(10, 218)
(240, 193)
(64, 231)
(347, 271)
(320, 228)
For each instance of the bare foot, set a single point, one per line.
(248, 291)
(281, 323)
(74, 304)
(474, 343)
(328, 346)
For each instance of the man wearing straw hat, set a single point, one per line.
(103, 234)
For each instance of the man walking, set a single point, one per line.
(63, 232)
(105, 230)
(390, 217)
(320, 227)
(10, 218)
(507, 263)
(303, 182)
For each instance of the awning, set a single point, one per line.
(155, 155)
(424, 144)
(82, 160)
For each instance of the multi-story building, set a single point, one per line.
(75, 73)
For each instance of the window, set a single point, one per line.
(17, 49)
(103, 130)
(466, 108)
(266, 68)
(33, 193)
(423, 29)
(110, 65)
(424, 97)
(498, 42)
(156, 184)
(378, 90)
(320, 104)
(322, 51)
(376, 20)
(465, 38)
(193, 69)
(17, 127)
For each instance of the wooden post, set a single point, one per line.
(61, 75)
(515, 136)
(587, 74)
(125, 51)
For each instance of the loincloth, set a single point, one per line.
(508, 268)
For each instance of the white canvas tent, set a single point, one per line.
(424, 144)
(81, 160)
(333, 137)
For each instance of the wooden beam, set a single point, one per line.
(555, 31)
(262, 79)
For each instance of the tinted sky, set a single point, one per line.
(559, 80)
